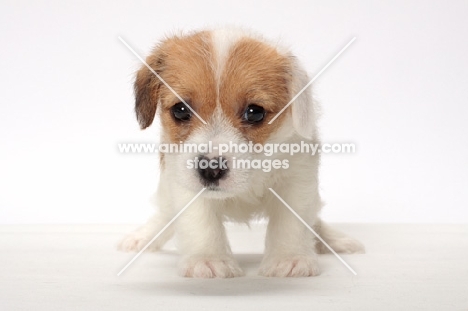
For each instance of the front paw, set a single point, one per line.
(210, 267)
(290, 266)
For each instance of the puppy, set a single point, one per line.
(236, 82)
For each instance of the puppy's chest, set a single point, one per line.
(243, 211)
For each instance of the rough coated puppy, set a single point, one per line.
(237, 82)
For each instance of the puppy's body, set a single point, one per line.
(222, 74)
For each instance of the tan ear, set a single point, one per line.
(146, 88)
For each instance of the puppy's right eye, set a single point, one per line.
(181, 112)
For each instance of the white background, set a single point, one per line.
(399, 93)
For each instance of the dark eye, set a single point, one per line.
(254, 114)
(181, 112)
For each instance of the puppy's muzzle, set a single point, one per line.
(212, 170)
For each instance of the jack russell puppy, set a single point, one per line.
(224, 86)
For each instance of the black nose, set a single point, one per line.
(211, 170)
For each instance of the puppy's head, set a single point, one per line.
(235, 83)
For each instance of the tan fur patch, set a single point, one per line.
(186, 64)
(255, 73)
(189, 71)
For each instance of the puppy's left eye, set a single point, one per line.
(254, 114)
(181, 112)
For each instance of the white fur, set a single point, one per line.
(200, 233)
(223, 39)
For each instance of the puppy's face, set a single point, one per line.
(235, 83)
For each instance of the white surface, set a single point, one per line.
(407, 267)
(399, 93)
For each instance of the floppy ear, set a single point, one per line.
(304, 109)
(146, 88)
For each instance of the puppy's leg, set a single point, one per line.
(201, 238)
(338, 241)
(289, 245)
(136, 240)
